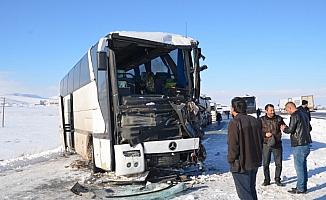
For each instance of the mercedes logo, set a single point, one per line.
(172, 146)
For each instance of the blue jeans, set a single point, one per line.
(300, 154)
(245, 184)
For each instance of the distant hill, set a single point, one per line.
(27, 95)
(20, 99)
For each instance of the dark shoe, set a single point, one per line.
(278, 183)
(301, 192)
(296, 191)
(265, 183)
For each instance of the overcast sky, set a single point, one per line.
(270, 49)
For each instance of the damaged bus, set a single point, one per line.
(130, 104)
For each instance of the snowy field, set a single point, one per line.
(28, 131)
(31, 133)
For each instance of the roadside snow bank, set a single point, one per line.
(17, 163)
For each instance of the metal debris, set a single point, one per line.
(78, 189)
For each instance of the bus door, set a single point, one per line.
(68, 122)
(103, 142)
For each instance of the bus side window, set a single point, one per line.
(70, 81)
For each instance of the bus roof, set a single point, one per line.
(165, 38)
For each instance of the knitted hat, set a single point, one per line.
(304, 102)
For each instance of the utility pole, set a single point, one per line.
(3, 112)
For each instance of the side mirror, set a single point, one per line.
(202, 56)
(102, 61)
(204, 67)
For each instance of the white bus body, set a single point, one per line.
(125, 105)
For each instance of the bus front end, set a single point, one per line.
(154, 94)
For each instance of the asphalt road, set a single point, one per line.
(318, 115)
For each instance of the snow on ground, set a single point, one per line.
(44, 180)
(35, 130)
(29, 130)
(218, 183)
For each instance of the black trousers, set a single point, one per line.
(245, 183)
(278, 157)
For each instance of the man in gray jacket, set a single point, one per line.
(245, 143)
(299, 128)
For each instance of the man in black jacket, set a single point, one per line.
(271, 125)
(245, 142)
(304, 108)
(299, 128)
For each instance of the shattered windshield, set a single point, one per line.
(162, 74)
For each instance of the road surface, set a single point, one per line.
(318, 115)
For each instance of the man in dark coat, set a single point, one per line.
(258, 112)
(245, 144)
(271, 125)
(299, 128)
(304, 108)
